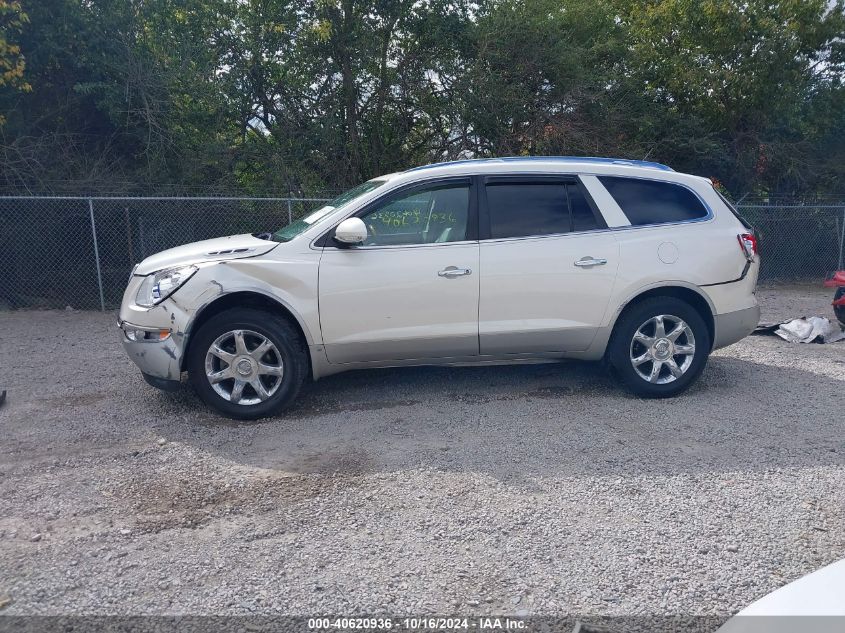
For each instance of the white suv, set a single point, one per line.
(477, 261)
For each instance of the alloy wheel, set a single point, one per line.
(244, 367)
(662, 349)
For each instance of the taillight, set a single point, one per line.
(748, 244)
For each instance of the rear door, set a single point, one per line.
(548, 266)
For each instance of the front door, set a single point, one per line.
(548, 267)
(410, 291)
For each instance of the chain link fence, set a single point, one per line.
(798, 242)
(79, 252)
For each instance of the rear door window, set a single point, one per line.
(535, 208)
(522, 209)
(583, 218)
(652, 201)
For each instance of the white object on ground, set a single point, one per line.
(808, 329)
(812, 604)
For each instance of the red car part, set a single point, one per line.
(749, 245)
(835, 280)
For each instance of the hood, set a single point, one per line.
(232, 247)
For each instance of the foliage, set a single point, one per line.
(290, 96)
(12, 63)
(739, 86)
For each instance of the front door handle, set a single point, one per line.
(589, 262)
(453, 271)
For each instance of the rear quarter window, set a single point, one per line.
(652, 201)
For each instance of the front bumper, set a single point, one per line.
(158, 355)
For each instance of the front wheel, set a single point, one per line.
(659, 347)
(247, 363)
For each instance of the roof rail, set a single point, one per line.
(562, 159)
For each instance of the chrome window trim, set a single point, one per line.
(610, 229)
(576, 175)
(708, 218)
(401, 246)
(546, 236)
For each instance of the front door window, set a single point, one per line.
(426, 216)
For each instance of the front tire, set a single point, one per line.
(659, 347)
(247, 363)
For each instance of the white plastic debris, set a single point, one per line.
(810, 329)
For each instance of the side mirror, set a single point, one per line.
(351, 231)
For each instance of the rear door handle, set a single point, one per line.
(588, 262)
(453, 271)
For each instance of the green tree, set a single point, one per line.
(727, 87)
(12, 64)
(283, 95)
(541, 72)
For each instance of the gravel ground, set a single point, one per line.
(539, 489)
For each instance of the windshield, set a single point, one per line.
(292, 230)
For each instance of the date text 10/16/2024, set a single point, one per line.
(417, 623)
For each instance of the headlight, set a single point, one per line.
(158, 286)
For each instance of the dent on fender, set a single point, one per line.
(273, 274)
(265, 278)
(268, 279)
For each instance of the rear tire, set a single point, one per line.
(659, 347)
(247, 363)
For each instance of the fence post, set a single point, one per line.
(96, 254)
(841, 240)
(290, 212)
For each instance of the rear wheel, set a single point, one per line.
(247, 363)
(659, 347)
